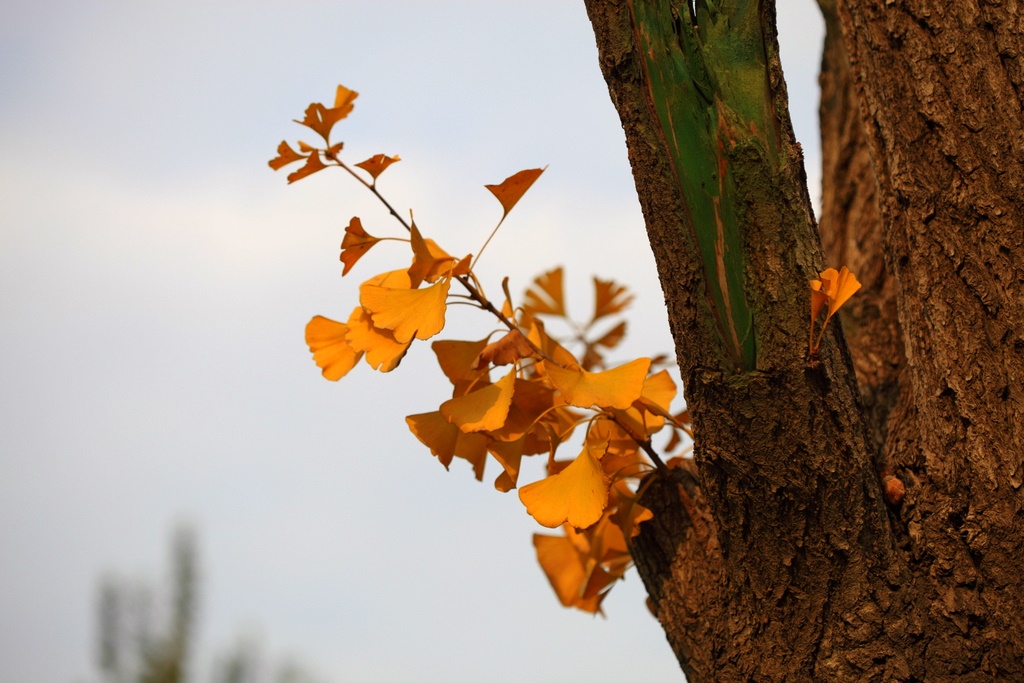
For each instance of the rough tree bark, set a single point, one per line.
(776, 554)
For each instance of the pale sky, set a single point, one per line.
(155, 280)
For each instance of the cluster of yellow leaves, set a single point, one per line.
(516, 394)
(834, 289)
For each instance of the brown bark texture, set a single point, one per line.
(775, 555)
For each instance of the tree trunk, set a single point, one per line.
(785, 560)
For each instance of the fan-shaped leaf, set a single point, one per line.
(331, 351)
(577, 494)
(355, 243)
(512, 189)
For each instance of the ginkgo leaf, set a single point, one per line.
(842, 286)
(285, 155)
(331, 352)
(658, 392)
(835, 288)
(376, 164)
(563, 565)
(463, 267)
(398, 279)
(630, 514)
(321, 119)
(530, 401)
(612, 337)
(343, 99)
(615, 388)
(509, 455)
(818, 299)
(482, 410)
(383, 351)
(509, 349)
(355, 243)
(430, 262)
(545, 295)
(456, 359)
(609, 298)
(576, 495)
(446, 440)
(512, 189)
(408, 313)
(548, 346)
(312, 165)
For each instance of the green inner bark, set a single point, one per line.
(708, 85)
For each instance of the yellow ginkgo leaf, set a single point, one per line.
(551, 348)
(546, 295)
(835, 288)
(612, 337)
(563, 565)
(843, 285)
(355, 243)
(408, 313)
(512, 189)
(383, 351)
(445, 440)
(509, 455)
(456, 359)
(377, 164)
(658, 392)
(331, 351)
(482, 410)
(609, 298)
(577, 495)
(430, 262)
(511, 348)
(615, 388)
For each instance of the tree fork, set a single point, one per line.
(790, 560)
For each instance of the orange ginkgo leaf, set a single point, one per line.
(577, 494)
(612, 337)
(456, 359)
(630, 513)
(840, 287)
(331, 351)
(647, 415)
(562, 564)
(482, 410)
(355, 243)
(548, 345)
(609, 298)
(383, 351)
(312, 165)
(658, 392)
(408, 313)
(615, 388)
(321, 119)
(429, 261)
(577, 580)
(511, 348)
(509, 455)
(545, 295)
(835, 288)
(285, 155)
(446, 440)
(512, 189)
(376, 164)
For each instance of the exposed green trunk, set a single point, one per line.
(708, 80)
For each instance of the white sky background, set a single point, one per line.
(155, 279)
